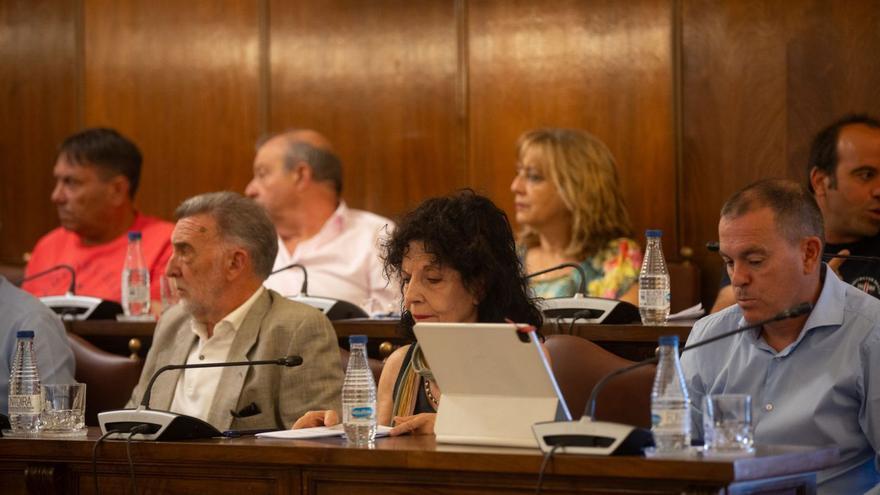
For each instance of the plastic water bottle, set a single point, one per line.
(25, 393)
(670, 405)
(654, 283)
(359, 395)
(135, 279)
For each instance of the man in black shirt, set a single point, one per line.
(844, 170)
(844, 176)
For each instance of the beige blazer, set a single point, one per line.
(274, 327)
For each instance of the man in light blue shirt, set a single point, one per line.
(22, 311)
(815, 379)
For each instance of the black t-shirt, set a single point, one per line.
(862, 274)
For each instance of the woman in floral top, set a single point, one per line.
(571, 209)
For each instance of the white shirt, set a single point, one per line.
(196, 387)
(343, 262)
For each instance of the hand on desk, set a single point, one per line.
(312, 419)
(419, 424)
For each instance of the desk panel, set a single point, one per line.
(407, 464)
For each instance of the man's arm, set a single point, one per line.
(55, 360)
(317, 383)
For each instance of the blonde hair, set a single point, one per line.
(585, 175)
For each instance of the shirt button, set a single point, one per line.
(768, 407)
(201, 357)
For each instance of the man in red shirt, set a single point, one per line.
(96, 178)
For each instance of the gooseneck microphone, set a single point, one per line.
(71, 289)
(166, 425)
(582, 287)
(581, 307)
(73, 307)
(793, 312)
(588, 436)
(304, 288)
(334, 309)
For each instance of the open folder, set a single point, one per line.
(496, 382)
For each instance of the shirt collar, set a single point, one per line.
(827, 312)
(336, 223)
(233, 320)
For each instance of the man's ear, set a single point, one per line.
(119, 189)
(811, 252)
(820, 181)
(237, 261)
(302, 174)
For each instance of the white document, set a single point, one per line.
(317, 432)
(692, 313)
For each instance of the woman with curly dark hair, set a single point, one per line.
(456, 261)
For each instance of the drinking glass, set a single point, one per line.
(727, 423)
(64, 408)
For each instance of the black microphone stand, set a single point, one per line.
(165, 425)
(582, 307)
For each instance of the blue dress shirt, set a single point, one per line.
(22, 311)
(823, 389)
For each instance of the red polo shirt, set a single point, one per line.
(98, 268)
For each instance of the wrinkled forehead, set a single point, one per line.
(197, 228)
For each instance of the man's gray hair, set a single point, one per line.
(240, 221)
(797, 215)
(325, 165)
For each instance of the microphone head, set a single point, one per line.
(291, 361)
(795, 311)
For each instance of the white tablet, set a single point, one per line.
(495, 380)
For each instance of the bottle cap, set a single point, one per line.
(357, 339)
(134, 235)
(24, 334)
(653, 233)
(669, 340)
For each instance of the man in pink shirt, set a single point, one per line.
(96, 178)
(298, 180)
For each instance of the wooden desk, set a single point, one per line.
(633, 342)
(396, 466)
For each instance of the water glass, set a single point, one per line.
(727, 423)
(64, 408)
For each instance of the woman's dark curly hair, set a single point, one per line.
(467, 232)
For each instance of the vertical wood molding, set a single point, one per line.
(265, 81)
(80, 62)
(462, 92)
(677, 126)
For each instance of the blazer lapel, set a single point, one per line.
(232, 378)
(163, 392)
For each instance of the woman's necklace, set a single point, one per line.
(435, 401)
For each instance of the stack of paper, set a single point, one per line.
(318, 432)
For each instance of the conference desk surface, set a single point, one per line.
(409, 464)
(631, 341)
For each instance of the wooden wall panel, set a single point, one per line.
(182, 80)
(759, 79)
(38, 97)
(602, 66)
(380, 80)
(425, 97)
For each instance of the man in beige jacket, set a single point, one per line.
(224, 246)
